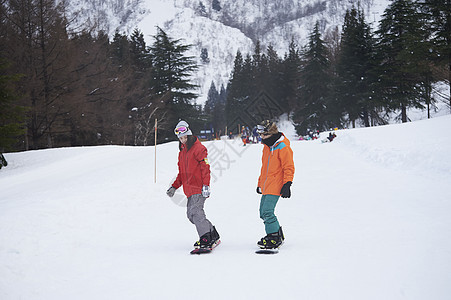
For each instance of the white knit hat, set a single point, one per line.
(182, 129)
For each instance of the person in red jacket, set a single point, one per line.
(194, 175)
(275, 180)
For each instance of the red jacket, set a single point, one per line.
(194, 170)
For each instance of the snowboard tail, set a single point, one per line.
(268, 251)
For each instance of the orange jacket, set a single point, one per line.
(277, 167)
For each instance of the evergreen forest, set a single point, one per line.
(61, 88)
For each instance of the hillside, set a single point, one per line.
(369, 219)
(236, 26)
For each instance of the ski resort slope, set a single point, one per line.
(369, 218)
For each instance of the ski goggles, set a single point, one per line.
(261, 129)
(180, 130)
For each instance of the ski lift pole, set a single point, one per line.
(155, 164)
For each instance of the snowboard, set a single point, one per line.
(267, 251)
(200, 251)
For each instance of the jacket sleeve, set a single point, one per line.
(178, 181)
(286, 156)
(260, 183)
(201, 157)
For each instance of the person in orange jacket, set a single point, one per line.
(275, 180)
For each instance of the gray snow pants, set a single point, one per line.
(196, 214)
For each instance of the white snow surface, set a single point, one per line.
(369, 218)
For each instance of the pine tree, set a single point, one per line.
(399, 51)
(238, 88)
(234, 88)
(170, 77)
(438, 14)
(172, 68)
(223, 95)
(212, 99)
(204, 56)
(354, 67)
(120, 49)
(259, 69)
(220, 112)
(291, 67)
(215, 109)
(315, 86)
(216, 5)
(274, 80)
(138, 50)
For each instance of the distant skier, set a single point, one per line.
(194, 175)
(254, 135)
(243, 135)
(3, 162)
(275, 179)
(331, 136)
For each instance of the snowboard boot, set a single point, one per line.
(215, 235)
(272, 240)
(281, 234)
(197, 245)
(209, 240)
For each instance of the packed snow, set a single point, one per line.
(369, 218)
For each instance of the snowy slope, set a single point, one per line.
(370, 218)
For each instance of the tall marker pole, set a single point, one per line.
(155, 174)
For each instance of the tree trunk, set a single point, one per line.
(366, 117)
(403, 113)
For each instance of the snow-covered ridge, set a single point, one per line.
(236, 26)
(401, 146)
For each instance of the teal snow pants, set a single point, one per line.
(267, 207)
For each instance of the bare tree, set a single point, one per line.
(37, 43)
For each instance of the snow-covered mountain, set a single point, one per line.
(221, 26)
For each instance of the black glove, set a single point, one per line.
(171, 191)
(285, 191)
(259, 190)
